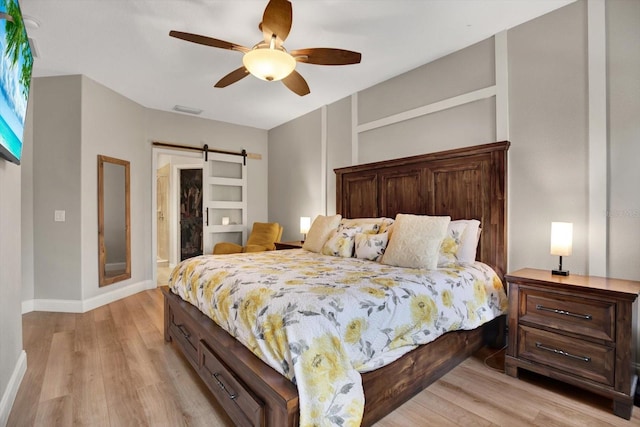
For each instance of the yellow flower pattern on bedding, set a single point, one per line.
(321, 321)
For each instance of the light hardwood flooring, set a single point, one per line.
(112, 367)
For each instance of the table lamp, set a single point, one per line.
(305, 224)
(561, 243)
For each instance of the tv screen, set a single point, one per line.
(16, 63)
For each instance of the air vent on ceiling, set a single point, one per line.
(188, 110)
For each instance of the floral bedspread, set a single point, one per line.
(321, 320)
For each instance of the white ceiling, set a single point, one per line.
(125, 45)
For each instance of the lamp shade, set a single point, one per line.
(561, 238)
(305, 224)
(269, 64)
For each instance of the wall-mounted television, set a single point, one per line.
(16, 63)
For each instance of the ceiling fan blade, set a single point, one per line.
(207, 41)
(277, 19)
(326, 56)
(296, 83)
(233, 77)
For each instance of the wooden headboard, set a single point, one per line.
(465, 183)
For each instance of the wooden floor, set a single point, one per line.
(111, 367)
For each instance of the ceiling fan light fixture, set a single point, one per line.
(269, 64)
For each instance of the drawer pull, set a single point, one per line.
(563, 353)
(566, 313)
(184, 331)
(216, 377)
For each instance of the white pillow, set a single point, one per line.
(371, 246)
(416, 240)
(341, 242)
(470, 239)
(451, 243)
(320, 231)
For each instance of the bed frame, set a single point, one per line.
(464, 183)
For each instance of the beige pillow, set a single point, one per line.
(416, 241)
(320, 231)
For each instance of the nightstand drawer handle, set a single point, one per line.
(566, 313)
(563, 353)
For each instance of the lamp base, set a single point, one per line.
(560, 272)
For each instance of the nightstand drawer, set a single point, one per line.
(584, 359)
(591, 318)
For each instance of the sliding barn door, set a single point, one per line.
(225, 200)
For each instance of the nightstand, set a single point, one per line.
(576, 329)
(296, 244)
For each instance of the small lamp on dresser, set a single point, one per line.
(305, 224)
(561, 243)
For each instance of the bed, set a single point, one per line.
(462, 183)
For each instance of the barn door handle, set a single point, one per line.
(231, 394)
(207, 215)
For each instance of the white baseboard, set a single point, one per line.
(104, 299)
(9, 395)
(81, 306)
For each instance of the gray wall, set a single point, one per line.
(74, 120)
(295, 174)
(188, 130)
(10, 278)
(548, 127)
(57, 185)
(114, 126)
(548, 170)
(623, 38)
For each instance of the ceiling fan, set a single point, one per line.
(269, 60)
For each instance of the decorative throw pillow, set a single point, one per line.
(451, 243)
(469, 242)
(371, 246)
(368, 225)
(416, 240)
(320, 231)
(386, 225)
(341, 242)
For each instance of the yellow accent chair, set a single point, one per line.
(263, 237)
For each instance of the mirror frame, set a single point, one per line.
(102, 255)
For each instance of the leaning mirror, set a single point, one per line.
(114, 234)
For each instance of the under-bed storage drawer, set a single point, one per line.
(238, 401)
(184, 331)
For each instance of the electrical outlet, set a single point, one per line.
(59, 216)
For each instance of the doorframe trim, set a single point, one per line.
(155, 153)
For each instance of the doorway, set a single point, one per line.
(167, 239)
